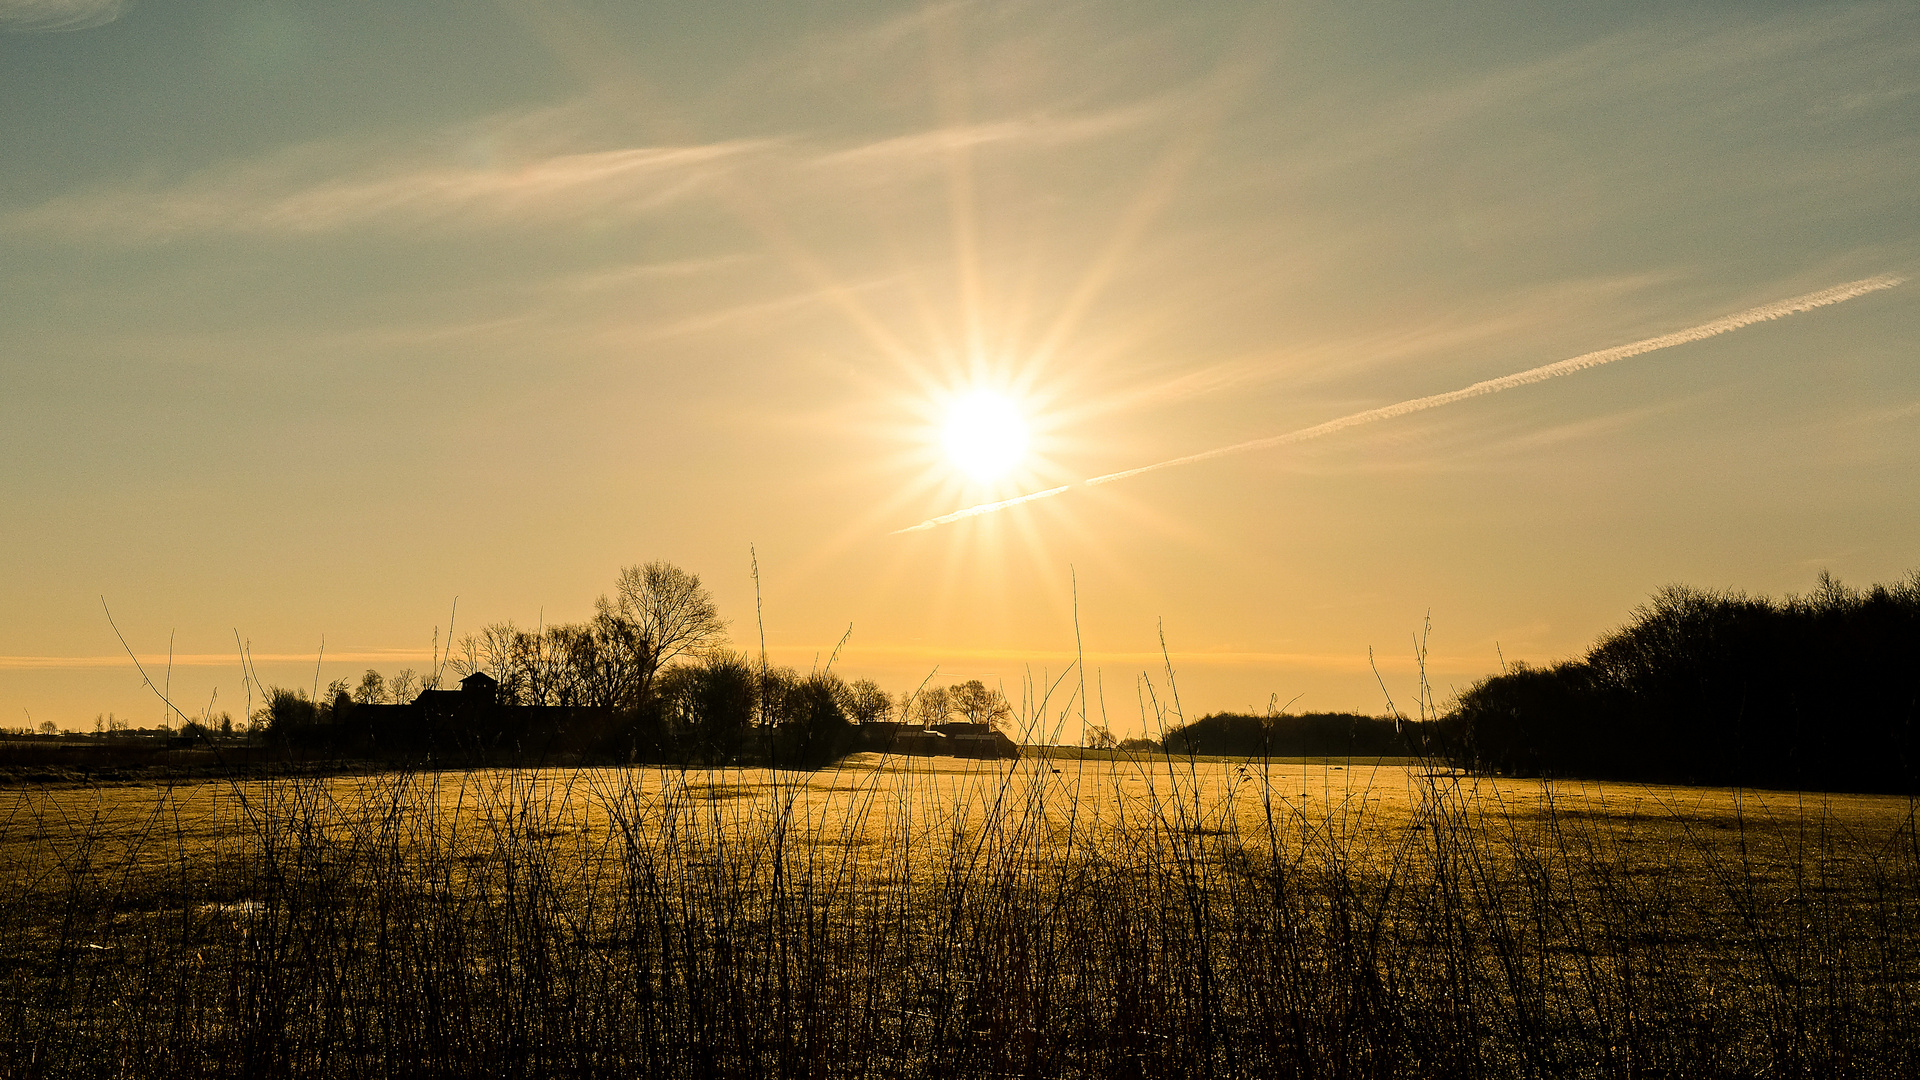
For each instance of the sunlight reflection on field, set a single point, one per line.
(1118, 915)
(893, 815)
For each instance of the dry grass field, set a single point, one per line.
(921, 916)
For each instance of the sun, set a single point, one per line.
(984, 435)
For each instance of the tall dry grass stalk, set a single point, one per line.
(926, 918)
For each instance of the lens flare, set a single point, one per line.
(985, 435)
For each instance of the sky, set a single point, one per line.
(324, 325)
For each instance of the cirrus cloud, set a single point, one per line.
(46, 16)
(302, 192)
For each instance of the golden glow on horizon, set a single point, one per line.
(984, 435)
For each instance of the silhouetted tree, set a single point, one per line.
(1315, 734)
(672, 611)
(975, 703)
(710, 705)
(333, 703)
(868, 704)
(287, 710)
(1531, 721)
(1719, 687)
(372, 689)
(928, 707)
(810, 726)
(605, 662)
(405, 687)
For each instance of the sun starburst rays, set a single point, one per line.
(1001, 369)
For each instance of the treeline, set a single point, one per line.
(649, 677)
(1813, 692)
(1307, 735)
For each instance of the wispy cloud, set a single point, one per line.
(43, 16)
(323, 188)
(307, 190)
(1005, 659)
(197, 660)
(748, 314)
(1889, 415)
(1773, 71)
(628, 274)
(1504, 317)
(1527, 449)
(935, 145)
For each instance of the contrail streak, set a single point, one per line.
(1777, 310)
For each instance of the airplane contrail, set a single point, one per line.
(1776, 310)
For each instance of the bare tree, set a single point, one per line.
(336, 703)
(611, 662)
(711, 704)
(372, 689)
(405, 687)
(673, 612)
(542, 667)
(930, 706)
(867, 703)
(979, 705)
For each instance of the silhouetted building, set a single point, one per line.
(470, 721)
(942, 740)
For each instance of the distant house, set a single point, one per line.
(478, 693)
(941, 740)
(472, 720)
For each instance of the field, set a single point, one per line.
(922, 916)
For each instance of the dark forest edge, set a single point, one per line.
(1812, 692)
(1697, 687)
(1704, 687)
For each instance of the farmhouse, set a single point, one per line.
(943, 740)
(472, 719)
